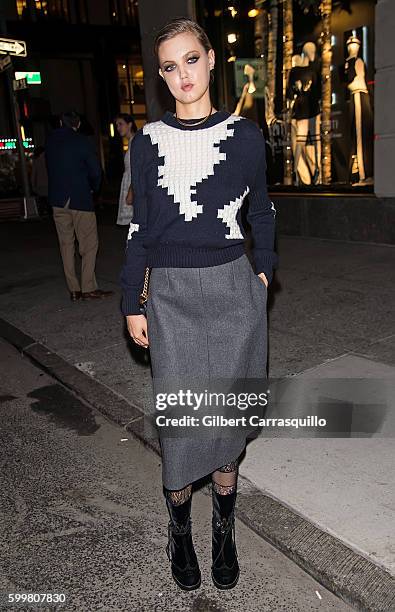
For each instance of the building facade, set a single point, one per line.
(88, 55)
(96, 56)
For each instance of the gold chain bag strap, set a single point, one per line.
(144, 294)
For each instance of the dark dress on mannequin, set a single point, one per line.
(307, 99)
(366, 121)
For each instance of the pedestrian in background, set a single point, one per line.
(74, 173)
(126, 128)
(39, 180)
(206, 308)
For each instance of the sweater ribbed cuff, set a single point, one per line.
(265, 263)
(130, 303)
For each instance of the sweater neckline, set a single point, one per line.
(214, 119)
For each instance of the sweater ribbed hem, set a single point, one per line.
(173, 256)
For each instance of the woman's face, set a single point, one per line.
(123, 128)
(185, 66)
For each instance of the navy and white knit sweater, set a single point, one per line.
(189, 184)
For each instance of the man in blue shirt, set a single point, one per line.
(73, 174)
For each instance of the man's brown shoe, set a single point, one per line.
(97, 294)
(75, 296)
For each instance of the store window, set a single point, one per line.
(303, 70)
(131, 89)
(52, 9)
(41, 7)
(21, 7)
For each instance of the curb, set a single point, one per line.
(349, 575)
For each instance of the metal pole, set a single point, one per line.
(17, 127)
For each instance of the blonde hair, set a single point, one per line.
(181, 25)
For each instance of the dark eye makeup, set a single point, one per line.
(191, 60)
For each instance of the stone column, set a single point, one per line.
(384, 100)
(152, 16)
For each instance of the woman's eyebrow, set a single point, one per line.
(185, 54)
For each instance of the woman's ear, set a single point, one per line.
(161, 73)
(211, 58)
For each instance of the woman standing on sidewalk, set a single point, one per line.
(126, 128)
(206, 311)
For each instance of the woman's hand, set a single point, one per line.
(263, 278)
(129, 197)
(137, 328)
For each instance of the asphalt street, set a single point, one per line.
(82, 514)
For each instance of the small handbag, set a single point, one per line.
(144, 294)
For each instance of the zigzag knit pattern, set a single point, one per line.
(133, 227)
(190, 157)
(189, 187)
(228, 215)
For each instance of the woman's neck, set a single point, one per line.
(195, 110)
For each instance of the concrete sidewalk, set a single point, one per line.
(83, 515)
(331, 314)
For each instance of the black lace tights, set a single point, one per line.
(224, 481)
(225, 478)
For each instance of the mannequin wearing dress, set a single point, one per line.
(304, 93)
(294, 90)
(361, 114)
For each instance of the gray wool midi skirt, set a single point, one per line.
(208, 323)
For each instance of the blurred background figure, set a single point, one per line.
(39, 180)
(126, 128)
(74, 173)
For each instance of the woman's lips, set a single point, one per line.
(187, 87)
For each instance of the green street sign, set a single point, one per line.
(251, 71)
(32, 78)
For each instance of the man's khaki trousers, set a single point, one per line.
(80, 224)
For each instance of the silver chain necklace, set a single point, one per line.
(193, 124)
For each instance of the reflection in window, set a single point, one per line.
(131, 90)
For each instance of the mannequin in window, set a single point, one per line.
(361, 162)
(293, 92)
(246, 103)
(304, 93)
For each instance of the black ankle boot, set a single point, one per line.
(225, 567)
(180, 550)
